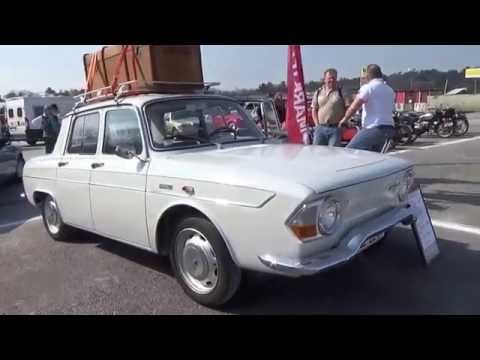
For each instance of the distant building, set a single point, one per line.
(413, 99)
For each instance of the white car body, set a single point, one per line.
(249, 191)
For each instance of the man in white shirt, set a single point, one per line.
(377, 100)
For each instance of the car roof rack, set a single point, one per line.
(137, 87)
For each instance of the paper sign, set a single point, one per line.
(423, 228)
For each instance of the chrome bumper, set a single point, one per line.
(352, 244)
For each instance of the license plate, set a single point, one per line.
(371, 241)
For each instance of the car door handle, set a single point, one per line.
(97, 165)
(62, 163)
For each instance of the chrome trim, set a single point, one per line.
(218, 201)
(349, 247)
(197, 180)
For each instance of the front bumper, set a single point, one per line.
(352, 244)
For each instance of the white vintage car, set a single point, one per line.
(218, 200)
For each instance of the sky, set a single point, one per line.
(36, 67)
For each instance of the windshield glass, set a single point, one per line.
(198, 121)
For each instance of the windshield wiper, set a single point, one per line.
(198, 139)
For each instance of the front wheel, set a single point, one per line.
(404, 134)
(461, 127)
(202, 263)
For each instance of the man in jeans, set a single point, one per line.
(378, 102)
(328, 108)
(51, 127)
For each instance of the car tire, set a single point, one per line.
(53, 222)
(31, 142)
(19, 169)
(202, 263)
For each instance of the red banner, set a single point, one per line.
(296, 121)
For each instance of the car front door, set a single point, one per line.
(74, 170)
(118, 185)
(272, 120)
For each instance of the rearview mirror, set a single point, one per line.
(124, 152)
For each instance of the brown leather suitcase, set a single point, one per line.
(165, 63)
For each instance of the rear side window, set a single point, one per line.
(122, 129)
(84, 136)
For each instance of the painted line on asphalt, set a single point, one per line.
(456, 226)
(21, 222)
(446, 143)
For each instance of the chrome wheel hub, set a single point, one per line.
(196, 261)
(52, 218)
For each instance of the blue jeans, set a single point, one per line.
(325, 135)
(372, 139)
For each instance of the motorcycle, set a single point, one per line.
(440, 122)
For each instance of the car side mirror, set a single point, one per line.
(124, 152)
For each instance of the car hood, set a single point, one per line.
(280, 167)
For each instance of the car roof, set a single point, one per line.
(141, 99)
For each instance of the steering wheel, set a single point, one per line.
(231, 128)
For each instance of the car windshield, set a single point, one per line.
(190, 122)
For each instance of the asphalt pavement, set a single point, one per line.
(94, 275)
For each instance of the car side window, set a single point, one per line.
(122, 129)
(84, 136)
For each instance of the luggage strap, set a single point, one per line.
(121, 61)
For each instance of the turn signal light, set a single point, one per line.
(304, 231)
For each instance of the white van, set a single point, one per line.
(20, 111)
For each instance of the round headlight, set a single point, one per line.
(328, 214)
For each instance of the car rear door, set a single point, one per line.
(74, 170)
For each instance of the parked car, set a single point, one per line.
(218, 201)
(11, 162)
(262, 110)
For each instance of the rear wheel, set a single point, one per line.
(52, 220)
(202, 264)
(444, 130)
(31, 142)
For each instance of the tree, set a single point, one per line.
(50, 91)
(10, 94)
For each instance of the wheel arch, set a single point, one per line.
(39, 195)
(168, 219)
